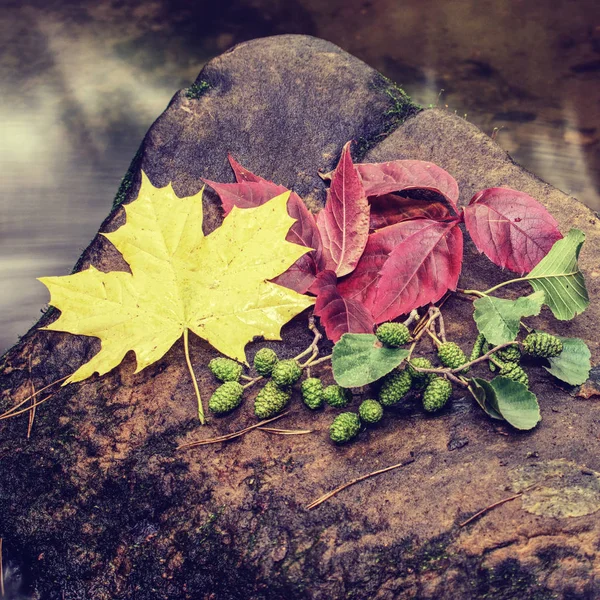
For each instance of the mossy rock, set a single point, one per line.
(100, 504)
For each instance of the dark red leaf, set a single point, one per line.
(253, 191)
(511, 228)
(399, 175)
(393, 208)
(301, 275)
(344, 222)
(405, 266)
(339, 315)
(242, 174)
(245, 194)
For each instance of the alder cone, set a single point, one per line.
(100, 504)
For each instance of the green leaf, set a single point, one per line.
(559, 277)
(485, 396)
(573, 363)
(516, 403)
(360, 358)
(499, 320)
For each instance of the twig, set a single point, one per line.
(252, 382)
(414, 316)
(286, 431)
(424, 323)
(314, 345)
(329, 495)
(442, 327)
(1, 572)
(314, 363)
(229, 436)
(418, 332)
(432, 335)
(498, 364)
(457, 380)
(16, 406)
(490, 507)
(32, 412)
(469, 364)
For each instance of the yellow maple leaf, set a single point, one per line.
(216, 285)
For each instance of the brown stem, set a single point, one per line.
(418, 332)
(314, 363)
(252, 382)
(456, 380)
(414, 316)
(442, 328)
(314, 345)
(468, 364)
(432, 335)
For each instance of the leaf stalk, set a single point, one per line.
(186, 348)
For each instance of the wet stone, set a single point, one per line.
(100, 504)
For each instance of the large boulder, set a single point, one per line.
(99, 504)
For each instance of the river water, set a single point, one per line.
(83, 81)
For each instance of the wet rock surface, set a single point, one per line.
(98, 503)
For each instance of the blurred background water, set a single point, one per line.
(82, 81)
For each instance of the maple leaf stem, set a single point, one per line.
(186, 348)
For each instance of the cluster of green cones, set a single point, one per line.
(435, 389)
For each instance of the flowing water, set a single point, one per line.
(83, 81)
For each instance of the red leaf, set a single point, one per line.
(242, 174)
(344, 222)
(511, 228)
(405, 266)
(301, 275)
(339, 315)
(392, 208)
(251, 191)
(245, 194)
(399, 175)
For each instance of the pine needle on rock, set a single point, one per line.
(329, 495)
(229, 436)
